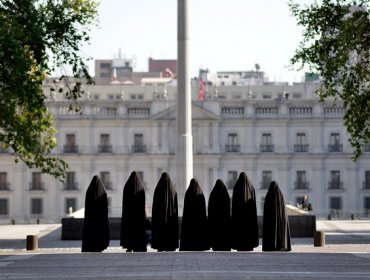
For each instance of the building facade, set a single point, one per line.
(272, 132)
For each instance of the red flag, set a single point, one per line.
(169, 73)
(201, 90)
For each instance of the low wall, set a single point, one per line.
(300, 226)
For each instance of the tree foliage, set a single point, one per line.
(36, 38)
(336, 44)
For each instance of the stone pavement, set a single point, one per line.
(191, 265)
(346, 255)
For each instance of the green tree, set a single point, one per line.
(36, 38)
(336, 44)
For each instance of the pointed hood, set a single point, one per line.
(165, 234)
(219, 219)
(133, 221)
(194, 229)
(276, 231)
(95, 236)
(244, 215)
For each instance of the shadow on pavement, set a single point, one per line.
(13, 237)
(52, 239)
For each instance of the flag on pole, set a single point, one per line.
(201, 90)
(169, 73)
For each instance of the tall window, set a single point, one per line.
(70, 139)
(36, 206)
(105, 146)
(36, 183)
(70, 205)
(367, 180)
(139, 139)
(334, 139)
(232, 176)
(266, 139)
(335, 205)
(232, 139)
(232, 145)
(266, 179)
(4, 185)
(334, 144)
(335, 182)
(301, 180)
(4, 206)
(300, 138)
(300, 143)
(139, 146)
(367, 206)
(105, 177)
(70, 146)
(71, 181)
(266, 143)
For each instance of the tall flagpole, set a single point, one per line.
(184, 147)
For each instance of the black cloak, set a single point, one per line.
(133, 222)
(95, 235)
(194, 232)
(244, 215)
(219, 219)
(165, 224)
(276, 233)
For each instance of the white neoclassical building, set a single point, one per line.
(272, 132)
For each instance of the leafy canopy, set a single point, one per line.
(336, 44)
(36, 38)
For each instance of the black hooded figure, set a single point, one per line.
(244, 215)
(194, 232)
(95, 235)
(219, 220)
(133, 222)
(276, 233)
(165, 224)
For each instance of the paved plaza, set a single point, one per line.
(346, 255)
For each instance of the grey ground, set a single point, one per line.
(346, 255)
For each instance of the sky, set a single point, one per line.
(224, 35)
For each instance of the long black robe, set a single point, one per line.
(165, 224)
(194, 231)
(219, 220)
(276, 233)
(95, 235)
(133, 222)
(244, 215)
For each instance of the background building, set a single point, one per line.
(271, 131)
(121, 70)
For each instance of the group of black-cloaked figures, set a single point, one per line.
(220, 231)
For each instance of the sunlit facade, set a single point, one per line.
(273, 132)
